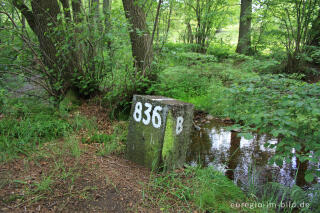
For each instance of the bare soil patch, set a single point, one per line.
(52, 179)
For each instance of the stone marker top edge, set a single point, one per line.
(164, 100)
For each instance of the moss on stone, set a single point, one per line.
(168, 142)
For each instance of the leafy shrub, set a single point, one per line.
(3, 100)
(221, 51)
(283, 107)
(179, 47)
(181, 82)
(315, 54)
(263, 65)
(194, 58)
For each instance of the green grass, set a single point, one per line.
(195, 189)
(28, 123)
(24, 128)
(114, 143)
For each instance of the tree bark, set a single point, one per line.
(76, 9)
(96, 11)
(244, 41)
(156, 22)
(315, 32)
(106, 12)
(189, 33)
(66, 9)
(43, 13)
(140, 39)
(42, 19)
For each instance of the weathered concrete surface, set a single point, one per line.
(157, 144)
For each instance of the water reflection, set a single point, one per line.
(240, 158)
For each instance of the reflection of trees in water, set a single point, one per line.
(200, 149)
(213, 145)
(234, 153)
(302, 168)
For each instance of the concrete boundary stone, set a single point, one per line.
(159, 132)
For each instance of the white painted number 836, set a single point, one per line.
(156, 118)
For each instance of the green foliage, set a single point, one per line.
(194, 58)
(315, 54)
(3, 100)
(305, 200)
(283, 107)
(182, 82)
(195, 188)
(99, 138)
(220, 50)
(262, 65)
(205, 18)
(178, 47)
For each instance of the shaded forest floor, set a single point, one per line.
(68, 176)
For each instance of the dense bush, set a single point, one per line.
(182, 82)
(221, 51)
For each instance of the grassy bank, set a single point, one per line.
(45, 155)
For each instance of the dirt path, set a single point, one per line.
(68, 176)
(90, 184)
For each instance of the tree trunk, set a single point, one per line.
(76, 9)
(106, 12)
(189, 33)
(107, 23)
(244, 41)
(43, 13)
(42, 19)
(66, 9)
(142, 51)
(315, 32)
(96, 12)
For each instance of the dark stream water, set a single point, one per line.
(244, 161)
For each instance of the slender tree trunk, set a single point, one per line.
(156, 22)
(23, 29)
(168, 28)
(315, 32)
(106, 12)
(107, 28)
(76, 9)
(139, 35)
(96, 11)
(244, 41)
(189, 33)
(66, 9)
(97, 8)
